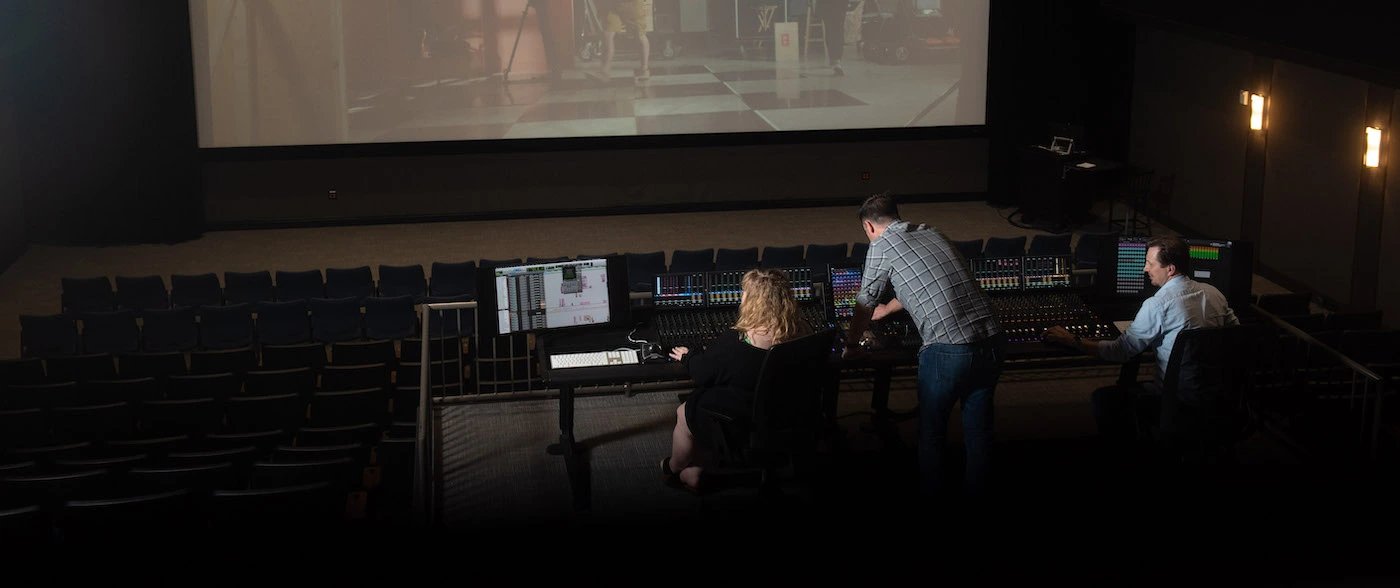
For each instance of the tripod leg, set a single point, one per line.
(505, 76)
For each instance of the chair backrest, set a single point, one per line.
(1005, 247)
(336, 319)
(783, 257)
(820, 256)
(390, 317)
(1206, 382)
(642, 269)
(195, 291)
(1050, 245)
(788, 397)
(48, 335)
(1087, 249)
(249, 287)
(355, 282)
(736, 259)
(858, 251)
(142, 293)
(692, 260)
(970, 249)
(283, 323)
(538, 260)
(172, 329)
(302, 285)
(87, 294)
(226, 327)
(402, 280)
(110, 331)
(453, 279)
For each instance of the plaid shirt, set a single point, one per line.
(932, 282)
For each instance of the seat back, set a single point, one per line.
(87, 294)
(783, 257)
(226, 327)
(1204, 394)
(401, 280)
(142, 293)
(336, 319)
(110, 332)
(283, 323)
(788, 396)
(642, 269)
(48, 335)
(736, 259)
(1005, 247)
(820, 256)
(303, 285)
(453, 279)
(692, 260)
(173, 329)
(971, 249)
(1050, 245)
(390, 317)
(787, 404)
(356, 282)
(195, 291)
(250, 287)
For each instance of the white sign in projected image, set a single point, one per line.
(318, 72)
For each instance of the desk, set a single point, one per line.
(1056, 192)
(569, 378)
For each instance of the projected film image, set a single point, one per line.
(315, 72)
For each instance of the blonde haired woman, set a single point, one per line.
(726, 372)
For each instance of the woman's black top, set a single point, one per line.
(725, 375)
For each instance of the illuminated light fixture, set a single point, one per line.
(1256, 112)
(1373, 147)
(1244, 97)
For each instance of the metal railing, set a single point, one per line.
(1317, 391)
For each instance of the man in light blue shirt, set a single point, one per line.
(1180, 304)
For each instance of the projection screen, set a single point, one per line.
(323, 72)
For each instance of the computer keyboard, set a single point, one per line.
(593, 359)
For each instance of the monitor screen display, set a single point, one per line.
(560, 295)
(330, 72)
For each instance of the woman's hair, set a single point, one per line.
(770, 306)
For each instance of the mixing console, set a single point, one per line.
(1047, 271)
(997, 274)
(1024, 317)
(696, 308)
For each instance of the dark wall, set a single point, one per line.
(12, 239)
(1311, 182)
(629, 180)
(1187, 129)
(1388, 290)
(1298, 187)
(104, 112)
(1056, 61)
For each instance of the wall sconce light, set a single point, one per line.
(1244, 97)
(1373, 147)
(1256, 112)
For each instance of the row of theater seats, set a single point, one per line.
(172, 486)
(233, 326)
(458, 281)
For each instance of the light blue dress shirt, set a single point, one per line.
(1182, 303)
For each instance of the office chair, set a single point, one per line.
(787, 419)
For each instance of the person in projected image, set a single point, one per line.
(1122, 410)
(616, 14)
(726, 372)
(833, 18)
(960, 360)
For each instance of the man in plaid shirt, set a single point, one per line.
(960, 360)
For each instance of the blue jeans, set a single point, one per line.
(949, 374)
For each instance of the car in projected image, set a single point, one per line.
(915, 30)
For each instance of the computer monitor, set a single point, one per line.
(845, 285)
(550, 296)
(1227, 265)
